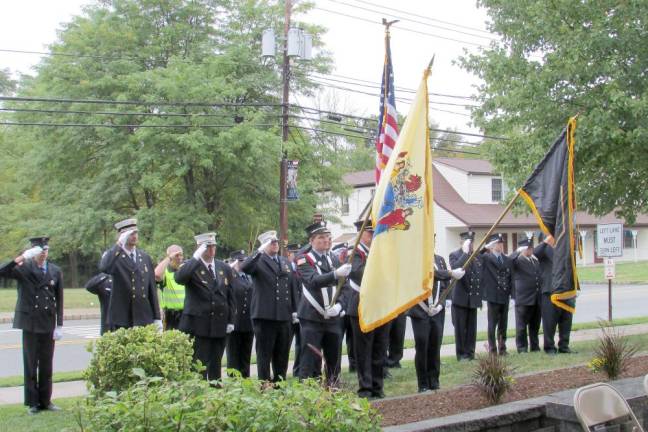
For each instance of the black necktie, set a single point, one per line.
(499, 259)
(132, 255)
(211, 270)
(44, 270)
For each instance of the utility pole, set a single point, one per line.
(283, 207)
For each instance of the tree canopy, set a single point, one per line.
(560, 58)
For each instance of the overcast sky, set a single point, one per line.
(357, 45)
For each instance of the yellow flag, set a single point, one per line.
(400, 268)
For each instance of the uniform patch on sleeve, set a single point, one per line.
(301, 261)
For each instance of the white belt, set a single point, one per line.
(315, 303)
(354, 285)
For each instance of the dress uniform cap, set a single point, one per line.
(340, 246)
(369, 227)
(317, 228)
(238, 255)
(126, 224)
(268, 235)
(526, 241)
(294, 247)
(467, 235)
(494, 239)
(206, 238)
(40, 241)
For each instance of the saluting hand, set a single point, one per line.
(466, 246)
(200, 251)
(123, 237)
(32, 252)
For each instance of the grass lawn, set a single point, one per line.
(626, 272)
(15, 418)
(74, 298)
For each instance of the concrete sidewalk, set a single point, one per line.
(68, 315)
(14, 395)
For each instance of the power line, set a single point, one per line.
(133, 126)
(489, 37)
(122, 113)
(422, 16)
(142, 103)
(53, 53)
(401, 28)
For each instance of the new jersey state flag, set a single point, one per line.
(400, 268)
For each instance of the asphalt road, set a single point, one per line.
(71, 354)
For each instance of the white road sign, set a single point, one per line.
(609, 240)
(610, 270)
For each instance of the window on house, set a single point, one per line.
(345, 205)
(496, 188)
(627, 239)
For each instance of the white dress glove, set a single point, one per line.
(201, 250)
(435, 310)
(58, 333)
(343, 271)
(32, 252)
(158, 325)
(448, 303)
(512, 302)
(229, 329)
(295, 320)
(334, 310)
(457, 273)
(521, 249)
(465, 247)
(123, 237)
(264, 246)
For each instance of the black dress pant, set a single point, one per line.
(497, 324)
(272, 348)
(428, 335)
(349, 338)
(370, 350)
(38, 352)
(527, 321)
(239, 351)
(172, 319)
(210, 351)
(552, 317)
(103, 323)
(396, 340)
(294, 328)
(464, 321)
(327, 338)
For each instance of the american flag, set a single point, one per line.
(388, 119)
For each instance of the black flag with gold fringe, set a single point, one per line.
(550, 193)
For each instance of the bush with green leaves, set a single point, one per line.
(155, 404)
(612, 353)
(115, 355)
(493, 377)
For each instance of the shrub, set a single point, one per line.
(118, 354)
(612, 353)
(493, 377)
(240, 405)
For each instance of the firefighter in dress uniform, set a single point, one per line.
(239, 342)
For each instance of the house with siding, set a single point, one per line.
(467, 196)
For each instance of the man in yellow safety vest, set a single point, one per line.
(172, 294)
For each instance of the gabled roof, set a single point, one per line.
(471, 166)
(359, 178)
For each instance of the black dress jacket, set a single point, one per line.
(273, 294)
(441, 280)
(209, 300)
(39, 306)
(355, 279)
(527, 279)
(133, 300)
(243, 290)
(468, 291)
(497, 278)
(317, 273)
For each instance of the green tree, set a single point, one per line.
(215, 169)
(555, 59)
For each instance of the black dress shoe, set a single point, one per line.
(551, 351)
(423, 389)
(52, 407)
(32, 410)
(378, 395)
(365, 394)
(566, 351)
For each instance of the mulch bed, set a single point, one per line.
(467, 398)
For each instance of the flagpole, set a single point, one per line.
(447, 292)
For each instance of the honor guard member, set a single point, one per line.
(272, 309)
(101, 286)
(427, 324)
(552, 315)
(527, 281)
(341, 251)
(466, 298)
(239, 342)
(321, 326)
(133, 299)
(370, 348)
(293, 250)
(39, 314)
(210, 308)
(172, 294)
(498, 283)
